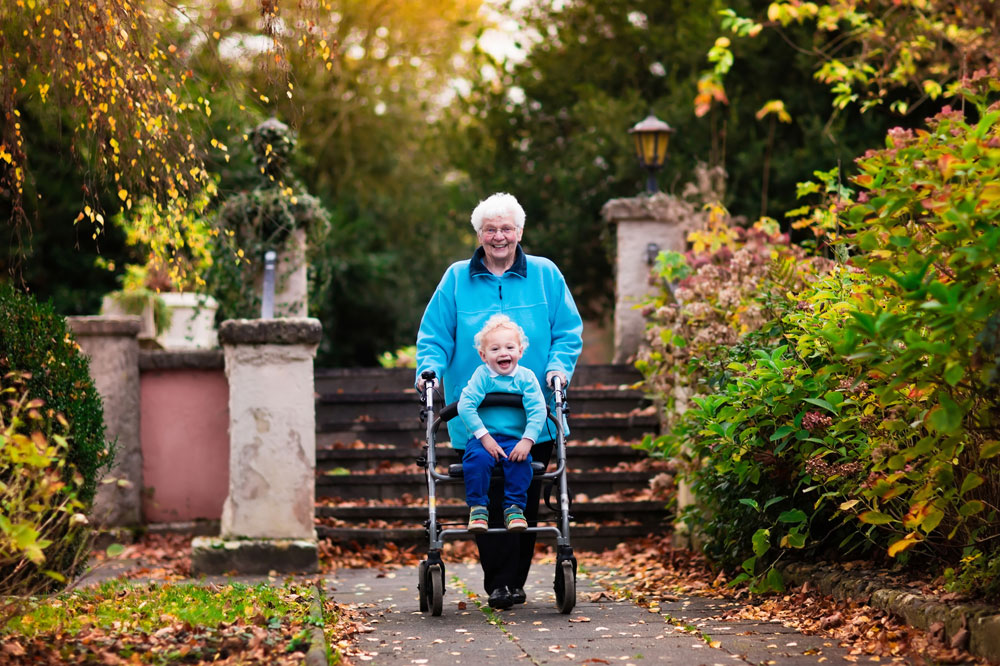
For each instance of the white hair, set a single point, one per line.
(497, 205)
(499, 321)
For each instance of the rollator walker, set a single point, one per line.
(430, 573)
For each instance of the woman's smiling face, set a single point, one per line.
(499, 237)
(501, 350)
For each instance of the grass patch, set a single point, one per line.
(149, 606)
(164, 623)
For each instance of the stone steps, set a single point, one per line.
(405, 405)
(644, 511)
(395, 486)
(410, 433)
(382, 380)
(369, 435)
(370, 459)
(584, 537)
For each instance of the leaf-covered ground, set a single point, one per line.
(122, 621)
(143, 616)
(649, 571)
(152, 613)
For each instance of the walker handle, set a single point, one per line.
(430, 379)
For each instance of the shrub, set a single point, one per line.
(925, 227)
(719, 359)
(41, 522)
(861, 414)
(35, 341)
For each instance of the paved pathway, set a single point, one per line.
(598, 631)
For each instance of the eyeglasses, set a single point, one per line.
(489, 232)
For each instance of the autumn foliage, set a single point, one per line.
(41, 518)
(859, 414)
(864, 48)
(106, 73)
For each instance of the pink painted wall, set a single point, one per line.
(185, 443)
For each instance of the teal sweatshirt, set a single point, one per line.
(533, 293)
(522, 381)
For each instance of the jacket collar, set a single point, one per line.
(477, 265)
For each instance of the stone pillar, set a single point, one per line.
(661, 219)
(267, 519)
(291, 286)
(112, 345)
(682, 536)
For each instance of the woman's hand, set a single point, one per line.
(521, 451)
(552, 374)
(492, 447)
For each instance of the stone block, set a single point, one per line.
(297, 331)
(215, 556)
(984, 637)
(272, 428)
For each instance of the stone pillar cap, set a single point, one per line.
(658, 207)
(123, 325)
(283, 331)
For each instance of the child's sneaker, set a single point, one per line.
(479, 519)
(513, 518)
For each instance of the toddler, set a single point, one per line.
(500, 434)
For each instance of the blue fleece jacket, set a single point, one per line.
(533, 293)
(521, 381)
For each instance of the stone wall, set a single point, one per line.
(185, 436)
(111, 343)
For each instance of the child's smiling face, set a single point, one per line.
(501, 350)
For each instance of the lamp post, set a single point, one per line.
(651, 136)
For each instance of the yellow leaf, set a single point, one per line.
(775, 106)
(123, 194)
(991, 192)
(904, 543)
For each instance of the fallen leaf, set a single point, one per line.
(959, 639)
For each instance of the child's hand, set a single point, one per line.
(521, 451)
(492, 447)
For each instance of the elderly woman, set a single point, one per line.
(501, 278)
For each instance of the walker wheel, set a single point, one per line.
(422, 586)
(435, 576)
(565, 586)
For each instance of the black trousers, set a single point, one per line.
(506, 558)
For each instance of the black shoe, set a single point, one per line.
(518, 596)
(500, 598)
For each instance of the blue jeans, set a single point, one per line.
(477, 467)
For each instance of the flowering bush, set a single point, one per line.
(849, 406)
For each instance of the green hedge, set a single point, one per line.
(34, 340)
(848, 406)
